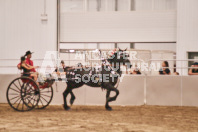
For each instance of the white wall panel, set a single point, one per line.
(163, 90)
(71, 5)
(165, 4)
(109, 46)
(156, 46)
(143, 4)
(123, 45)
(23, 29)
(131, 90)
(138, 26)
(2, 28)
(190, 90)
(123, 5)
(159, 90)
(129, 94)
(187, 29)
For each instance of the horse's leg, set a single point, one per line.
(114, 97)
(72, 98)
(65, 93)
(107, 102)
(110, 88)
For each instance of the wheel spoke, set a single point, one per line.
(16, 86)
(44, 99)
(15, 90)
(29, 91)
(24, 100)
(46, 95)
(13, 94)
(16, 101)
(29, 100)
(18, 104)
(27, 84)
(45, 91)
(19, 82)
(34, 99)
(22, 106)
(41, 102)
(31, 88)
(14, 97)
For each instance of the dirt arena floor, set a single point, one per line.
(96, 118)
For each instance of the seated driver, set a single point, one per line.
(28, 61)
(27, 69)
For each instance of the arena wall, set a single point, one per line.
(187, 30)
(163, 90)
(121, 27)
(22, 29)
(134, 90)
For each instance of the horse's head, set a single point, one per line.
(120, 57)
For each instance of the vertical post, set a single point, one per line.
(132, 4)
(98, 5)
(116, 45)
(85, 5)
(129, 5)
(116, 5)
(85, 101)
(153, 4)
(44, 6)
(181, 89)
(150, 62)
(91, 59)
(132, 45)
(98, 45)
(182, 66)
(69, 58)
(106, 5)
(58, 27)
(145, 84)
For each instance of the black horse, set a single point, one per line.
(106, 77)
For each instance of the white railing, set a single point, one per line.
(8, 66)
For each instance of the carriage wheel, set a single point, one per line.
(23, 94)
(46, 95)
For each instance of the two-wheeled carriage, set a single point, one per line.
(25, 94)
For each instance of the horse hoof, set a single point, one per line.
(109, 109)
(67, 108)
(71, 102)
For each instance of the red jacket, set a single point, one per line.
(30, 62)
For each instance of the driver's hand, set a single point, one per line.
(58, 73)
